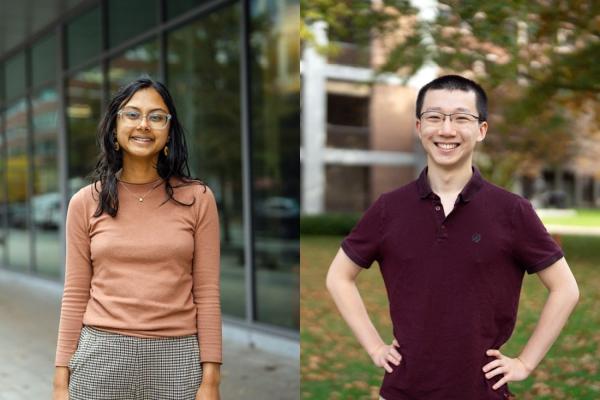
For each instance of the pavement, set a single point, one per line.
(573, 230)
(29, 316)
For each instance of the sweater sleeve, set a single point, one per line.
(78, 274)
(206, 278)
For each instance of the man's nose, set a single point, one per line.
(447, 127)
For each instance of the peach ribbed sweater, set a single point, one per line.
(149, 272)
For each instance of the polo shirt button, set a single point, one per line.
(438, 208)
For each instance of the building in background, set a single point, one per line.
(359, 140)
(358, 136)
(232, 68)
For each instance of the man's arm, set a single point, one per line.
(562, 298)
(341, 283)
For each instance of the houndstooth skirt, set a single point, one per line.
(111, 366)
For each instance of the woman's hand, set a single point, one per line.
(513, 368)
(211, 379)
(208, 391)
(60, 393)
(386, 354)
(61, 384)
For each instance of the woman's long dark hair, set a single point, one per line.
(110, 161)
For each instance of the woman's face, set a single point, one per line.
(143, 126)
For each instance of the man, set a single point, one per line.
(452, 249)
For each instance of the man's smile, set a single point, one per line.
(446, 146)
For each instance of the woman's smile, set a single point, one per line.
(142, 140)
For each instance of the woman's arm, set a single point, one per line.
(78, 277)
(206, 278)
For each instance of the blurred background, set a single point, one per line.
(232, 68)
(362, 64)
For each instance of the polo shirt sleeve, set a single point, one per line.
(533, 247)
(363, 243)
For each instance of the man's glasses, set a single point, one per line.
(156, 119)
(436, 118)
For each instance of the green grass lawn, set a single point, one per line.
(334, 366)
(583, 217)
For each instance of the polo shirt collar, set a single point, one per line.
(472, 187)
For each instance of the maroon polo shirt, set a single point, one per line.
(453, 283)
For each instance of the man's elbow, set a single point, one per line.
(570, 294)
(574, 294)
(330, 281)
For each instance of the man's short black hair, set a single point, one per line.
(455, 82)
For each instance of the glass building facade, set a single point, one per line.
(233, 70)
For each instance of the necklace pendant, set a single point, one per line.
(141, 199)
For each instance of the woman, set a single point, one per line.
(140, 315)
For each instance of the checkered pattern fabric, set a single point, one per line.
(110, 366)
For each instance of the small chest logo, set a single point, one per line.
(476, 238)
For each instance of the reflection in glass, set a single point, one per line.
(177, 7)
(3, 199)
(203, 76)
(275, 91)
(129, 18)
(16, 140)
(84, 102)
(43, 60)
(84, 37)
(140, 60)
(46, 213)
(15, 76)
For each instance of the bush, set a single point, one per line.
(328, 224)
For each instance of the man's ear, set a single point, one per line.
(483, 127)
(418, 128)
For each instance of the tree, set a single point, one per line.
(536, 59)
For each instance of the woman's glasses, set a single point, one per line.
(155, 119)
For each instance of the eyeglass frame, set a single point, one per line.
(477, 117)
(145, 117)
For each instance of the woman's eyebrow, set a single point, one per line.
(154, 109)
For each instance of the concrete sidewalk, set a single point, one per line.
(29, 315)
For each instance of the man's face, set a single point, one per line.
(448, 144)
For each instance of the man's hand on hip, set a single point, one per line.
(384, 355)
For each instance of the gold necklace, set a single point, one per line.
(140, 198)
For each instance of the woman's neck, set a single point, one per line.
(138, 175)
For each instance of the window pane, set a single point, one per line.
(15, 76)
(84, 97)
(84, 39)
(17, 161)
(1, 87)
(347, 121)
(275, 91)
(133, 63)
(177, 7)
(46, 196)
(130, 18)
(3, 199)
(203, 76)
(44, 58)
(347, 188)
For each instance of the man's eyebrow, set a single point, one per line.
(440, 109)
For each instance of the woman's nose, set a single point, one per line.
(143, 124)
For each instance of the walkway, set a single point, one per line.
(29, 314)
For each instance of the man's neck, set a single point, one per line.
(448, 182)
